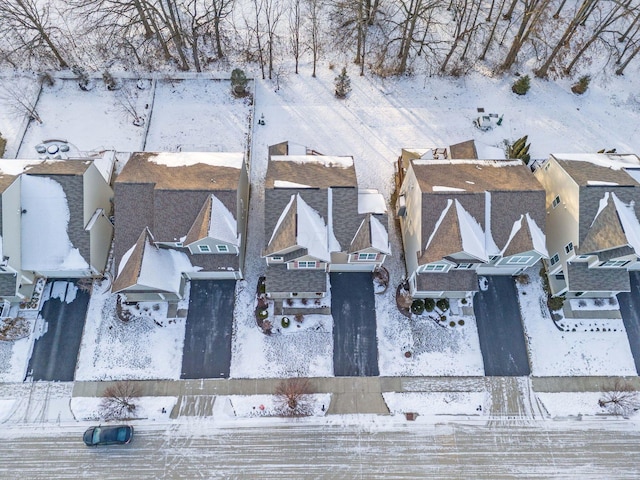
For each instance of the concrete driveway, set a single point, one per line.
(355, 347)
(207, 342)
(630, 311)
(500, 328)
(55, 353)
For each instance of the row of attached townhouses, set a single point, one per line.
(463, 210)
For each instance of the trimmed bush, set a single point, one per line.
(417, 307)
(452, 323)
(443, 304)
(461, 322)
(555, 303)
(285, 322)
(239, 82)
(522, 85)
(429, 304)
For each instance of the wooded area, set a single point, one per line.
(385, 37)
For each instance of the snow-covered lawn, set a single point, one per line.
(301, 353)
(581, 353)
(151, 408)
(562, 404)
(13, 121)
(15, 354)
(89, 120)
(197, 115)
(149, 346)
(439, 403)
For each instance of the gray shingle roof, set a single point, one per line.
(590, 197)
(7, 284)
(281, 280)
(310, 173)
(584, 172)
(581, 278)
(452, 281)
(130, 272)
(605, 231)
(165, 199)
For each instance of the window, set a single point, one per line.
(367, 257)
(556, 201)
(464, 266)
(435, 268)
(494, 258)
(614, 263)
(546, 167)
(179, 244)
(204, 248)
(519, 259)
(222, 248)
(276, 259)
(583, 257)
(555, 259)
(568, 247)
(310, 264)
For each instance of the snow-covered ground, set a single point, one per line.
(379, 117)
(570, 353)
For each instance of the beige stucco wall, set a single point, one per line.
(411, 224)
(98, 194)
(562, 221)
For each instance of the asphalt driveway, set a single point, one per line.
(630, 311)
(355, 348)
(502, 341)
(55, 353)
(207, 343)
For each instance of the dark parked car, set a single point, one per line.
(109, 435)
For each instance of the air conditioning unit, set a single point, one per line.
(401, 206)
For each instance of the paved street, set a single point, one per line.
(630, 311)
(291, 450)
(55, 353)
(500, 328)
(207, 343)
(355, 348)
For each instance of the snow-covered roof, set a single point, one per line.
(608, 160)
(326, 160)
(15, 166)
(223, 225)
(371, 201)
(287, 184)
(312, 231)
(183, 159)
(45, 219)
(379, 236)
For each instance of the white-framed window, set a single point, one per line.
(519, 259)
(438, 267)
(494, 258)
(307, 264)
(555, 259)
(615, 263)
(464, 266)
(222, 248)
(204, 248)
(367, 257)
(179, 244)
(276, 259)
(546, 167)
(556, 201)
(568, 247)
(583, 257)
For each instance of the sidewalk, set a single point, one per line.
(356, 395)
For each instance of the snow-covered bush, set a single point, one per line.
(522, 85)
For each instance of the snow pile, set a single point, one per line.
(182, 159)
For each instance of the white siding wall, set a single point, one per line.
(411, 224)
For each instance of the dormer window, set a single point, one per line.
(204, 248)
(308, 264)
(222, 248)
(276, 259)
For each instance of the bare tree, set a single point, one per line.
(580, 16)
(221, 10)
(295, 24)
(465, 19)
(313, 11)
(616, 12)
(119, 401)
(127, 100)
(292, 395)
(30, 22)
(620, 399)
(532, 13)
(19, 102)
